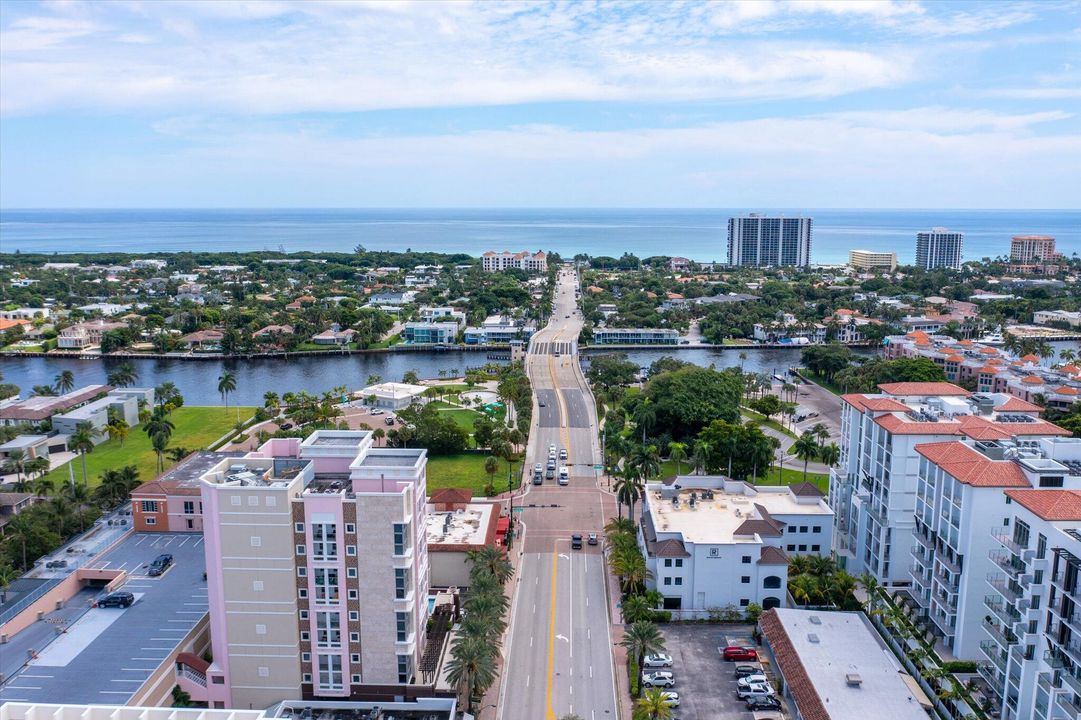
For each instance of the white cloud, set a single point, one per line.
(281, 57)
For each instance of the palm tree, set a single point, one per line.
(166, 393)
(270, 400)
(226, 385)
(491, 466)
(378, 434)
(806, 449)
(635, 608)
(65, 381)
(493, 561)
(677, 453)
(642, 638)
(803, 589)
(742, 359)
(160, 442)
(43, 487)
(870, 586)
(646, 462)
(645, 417)
(471, 668)
(158, 423)
(118, 429)
(652, 706)
(16, 462)
(700, 457)
(82, 441)
(125, 375)
(828, 455)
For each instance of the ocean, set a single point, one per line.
(696, 234)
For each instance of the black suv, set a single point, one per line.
(160, 564)
(117, 599)
(763, 702)
(576, 542)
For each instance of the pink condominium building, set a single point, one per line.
(317, 568)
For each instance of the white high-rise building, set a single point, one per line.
(939, 248)
(873, 489)
(757, 240)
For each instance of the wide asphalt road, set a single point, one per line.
(559, 651)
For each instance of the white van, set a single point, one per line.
(564, 476)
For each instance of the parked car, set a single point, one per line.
(389, 419)
(160, 564)
(376, 411)
(756, 689)
(286, 426)
(117, 599)
(591, 538)
(671, 699)
(763, 702)
(752, 680)
(56, 564)
(745, 670)
(576, 542)
(660, 678)
(657, 661)
(737, 652)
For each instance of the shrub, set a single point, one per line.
(959, 666)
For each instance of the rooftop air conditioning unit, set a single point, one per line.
(853, 679)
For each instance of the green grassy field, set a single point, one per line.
(790, 476)
(467, 471)
(196, 427)
(462, 417)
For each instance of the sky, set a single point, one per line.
(762, 103)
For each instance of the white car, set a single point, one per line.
(562, 454)
(757, 679)
(753, 690)
(657, 661)
(377, 411)
(671, 699)
(661, 678)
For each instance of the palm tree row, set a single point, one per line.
(816, 580)
(809, 446)
(474, 657)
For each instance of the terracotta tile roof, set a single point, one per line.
(1031, 358)
(898, 426)
(1050, 504)
(805, 489)
(885, 405)
(799, 682)
(972, 467)
(923, 388)
(855, 400)
(954, 358)
(1032, 380)
(670, 548)
(451, 496)
(1016, 404)
(8, 324)
(165, 487)
(772, 556)
(979, 428)
(1065, 390)
(753, 526)
(1070, 369)
(988, 370)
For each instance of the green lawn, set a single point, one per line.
(392, 340)
(196, 427)
(467, 471)
(794, 475)
(821, 381)
(761, 420)
(462, 417)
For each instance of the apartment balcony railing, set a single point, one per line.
(919, 552)
(1072, 681)
(1006, 539)
(1008, 562)
(924, 541)
(1003, 588)
(196, 677)
(994, 654)
(1003, 635)
(952, 565)
(878, 515)
(1054, 658)
(993, 677)
(1069, 703)
(1003, 612)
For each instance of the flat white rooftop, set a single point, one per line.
(851, 671)
(468, 526)
(714, 521)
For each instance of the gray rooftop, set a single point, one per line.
(333, 441)
(188, 472)
(105, 654)
(836, 647)
(22, 442)
(398, 458)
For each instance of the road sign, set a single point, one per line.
(598, 467)
(518, 509)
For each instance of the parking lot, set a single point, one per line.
(104, 655)
(705, 682)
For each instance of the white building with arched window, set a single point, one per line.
(711, 542)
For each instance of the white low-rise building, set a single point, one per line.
(392, 395)
(711, 542)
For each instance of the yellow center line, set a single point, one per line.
(550, 714)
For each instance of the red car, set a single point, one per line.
(736, 652)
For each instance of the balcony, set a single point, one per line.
(1006, 540)
(1003, 612)
(1008, 562)
(1055, 658)
(878, 515)
(1072, 681)
(1003, 588)
(924, 541)
(1069, 703)
(952, 565)
(992, 652)
(1001, 634)
(991, 675)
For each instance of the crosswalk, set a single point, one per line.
(544, 347)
